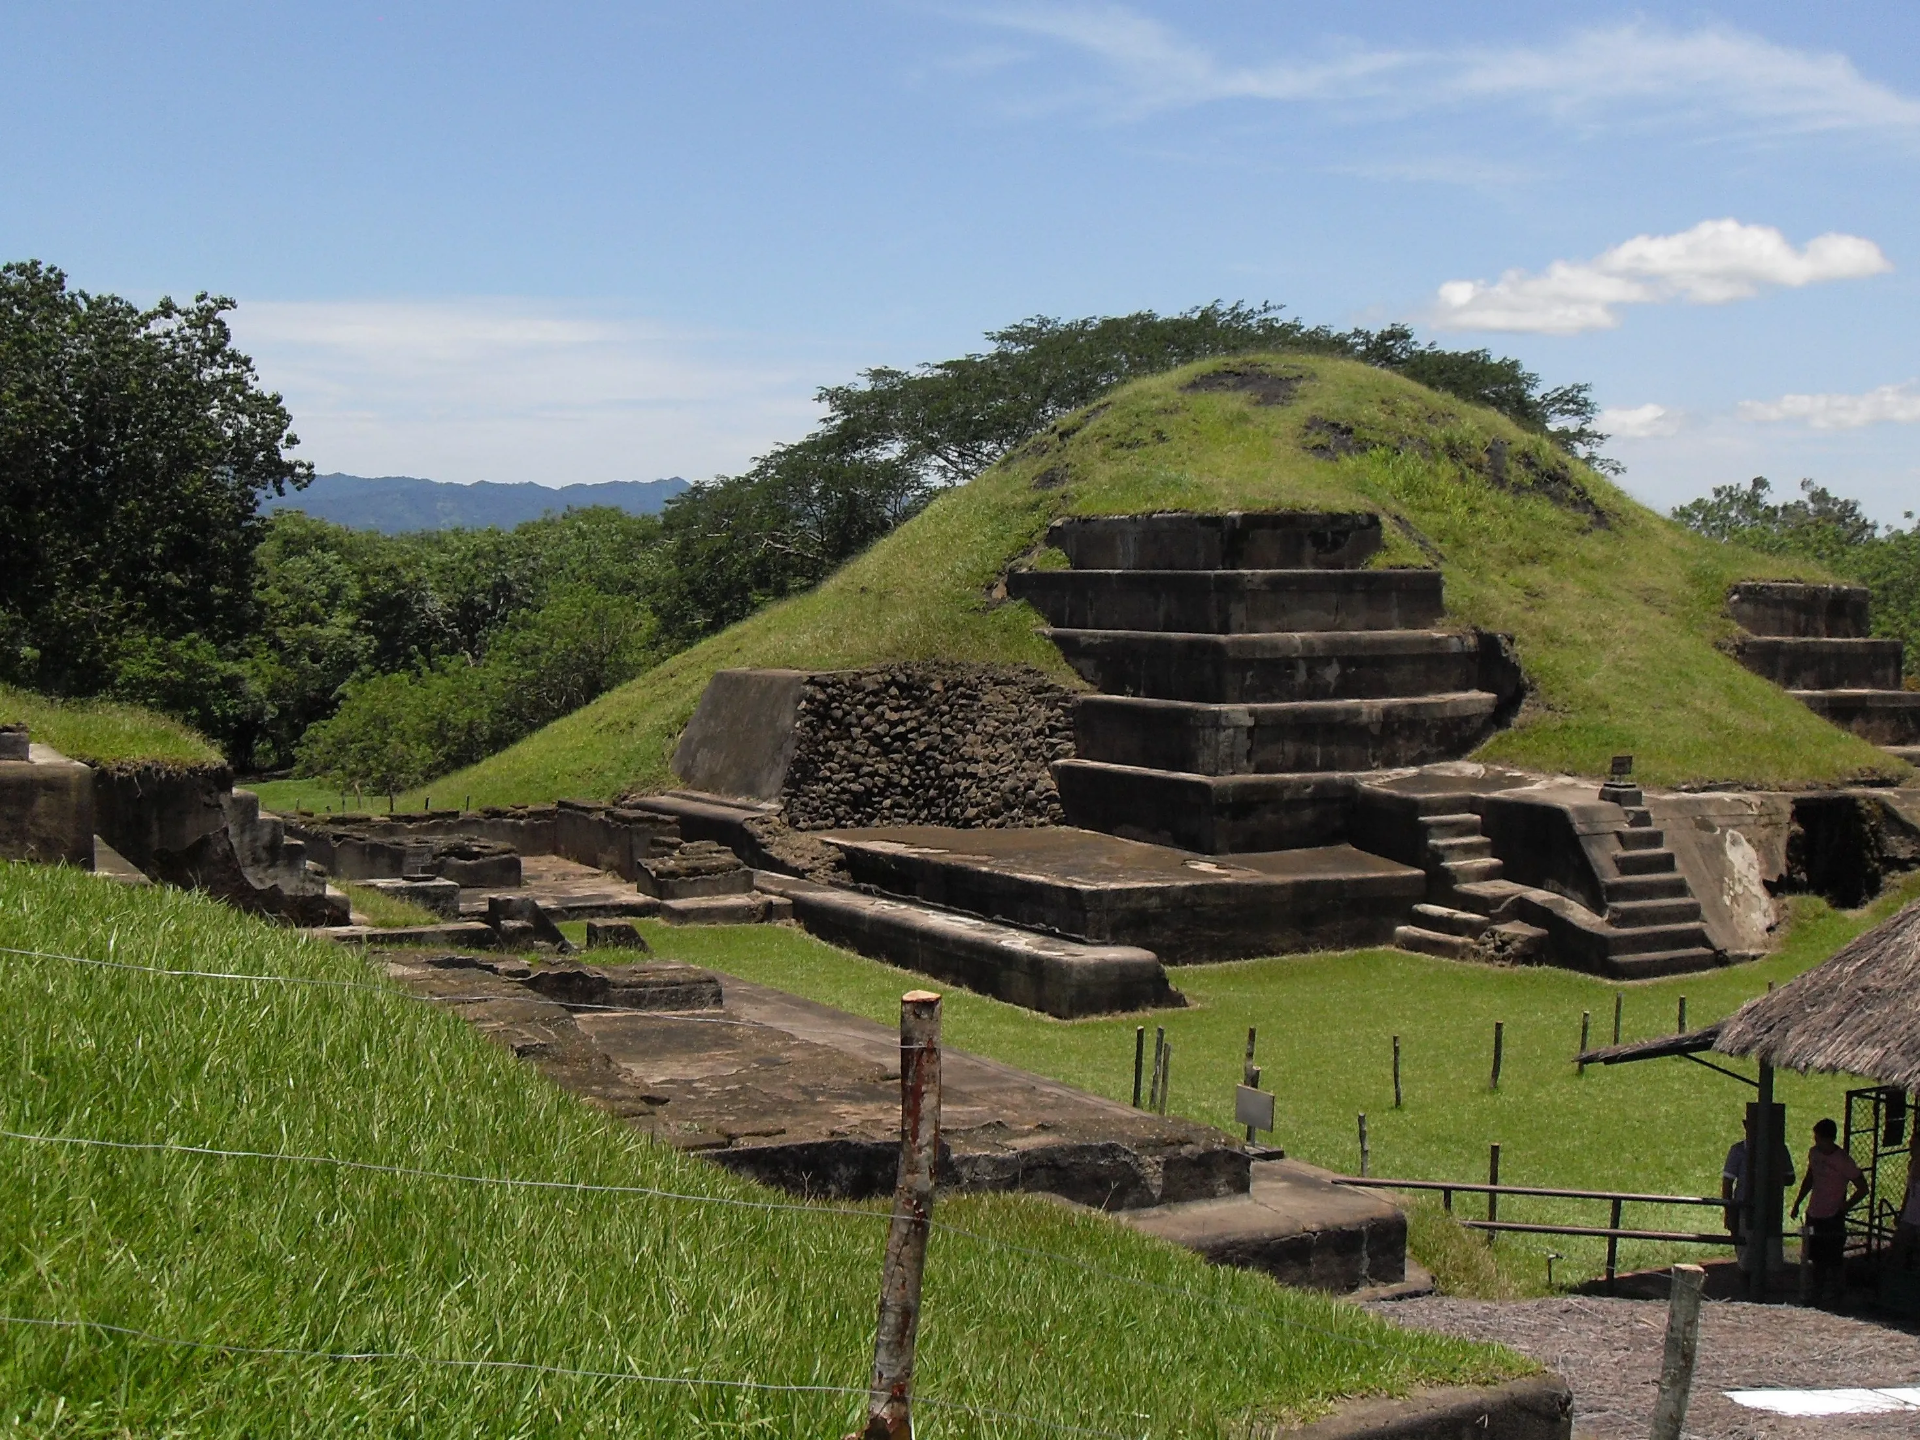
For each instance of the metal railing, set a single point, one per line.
(1612, 1232)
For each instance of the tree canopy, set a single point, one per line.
(135, 445)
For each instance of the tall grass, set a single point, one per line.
(286, 1256)
(101, 731)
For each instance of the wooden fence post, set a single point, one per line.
(1366, 1155)
(1619, 1002)
(890, 1393)
(1493, 1178)
(1586, 1024)
(1683, 1342)
(1396, 1072)
(1680, 1021)
(1499, 1045)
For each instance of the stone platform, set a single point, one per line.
(805, 1097)
(1104, 889)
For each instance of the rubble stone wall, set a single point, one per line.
(928, 743)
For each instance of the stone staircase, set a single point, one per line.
(1243, 662)
(1814, 641)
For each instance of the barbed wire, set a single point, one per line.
(288, 1352)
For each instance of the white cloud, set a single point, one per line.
(493, 389)
(1714, 262)
(1639, 422)
(1896, 404)
(1643, 71)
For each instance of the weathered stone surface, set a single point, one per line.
(614, 935)
(1293, 1224)
(1881, 717)
(442, 897)
(143, 809)
(1279, 739)
(748, 909)
(928, 743)
(1809, 663)
(1212, 814)
(1272, 540)
(614, 838)
(1539, 1407)
(1059, 977)
(1101, 888)
(1782, 607)
(47, 809)
(1263, 668)
(1730, 848)
(527, 910)
(1232, 601)
(16, 741)
(695, 870)
(741, 736)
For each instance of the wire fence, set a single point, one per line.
(226, 1153)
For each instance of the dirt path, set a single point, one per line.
(1609, 1352)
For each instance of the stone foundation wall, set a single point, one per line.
(928, 743)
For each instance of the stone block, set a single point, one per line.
(696, 870)
(1232, 602)
(15, 742)
(1272, 540)
(614, 935)
(440, 896)
(1211, 814)
(741, 737)
(47, 809)
(1782, 607)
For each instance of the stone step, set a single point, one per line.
(1644, 862)
(1883, 717)
(1641, 837)
(1186, 908)
(1232, 602)
(1636, 914)
(1433, 942)
(1653, 965)
(1463, 847)
(749, 909)
(1777, 607)
(1649, 938)
(1818, 663)
(1279, 666)
(1450, 826)
(1908, 753)
(1645, 887)
(1470, 872)
(1210, 814)
(1059, 977)
(1316, 735)
(1449, 921)
(1237, 540)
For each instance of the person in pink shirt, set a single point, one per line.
(1833, 1186)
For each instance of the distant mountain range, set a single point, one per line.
(394, 504)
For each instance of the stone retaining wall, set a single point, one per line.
(928, 743)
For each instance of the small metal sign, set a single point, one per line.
(1253, 1107)
(1622, 767)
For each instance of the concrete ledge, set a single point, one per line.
(1539, 1407)
(1058, 977)
(47, 809)
(741, 737)
(1210, 814)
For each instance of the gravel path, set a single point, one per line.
(1609, 1352)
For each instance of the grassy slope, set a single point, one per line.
(245, 1252)
(100, 730)
(1616, 626)
(1326, 1025)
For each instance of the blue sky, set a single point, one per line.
(577, 243)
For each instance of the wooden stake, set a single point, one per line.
(1499, 1045)
(1153, 1080)
(1493, 1178)
(1396, 1072)
(1166, 1074)
(1586, 1024)
(1619, 1000)
(1680, 1026)
(1683, 1343)
(1139, 1060)
(890, 1392)
(1365, 1153)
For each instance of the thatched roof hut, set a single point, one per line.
(1858, 1012)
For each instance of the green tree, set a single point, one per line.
(135, 446)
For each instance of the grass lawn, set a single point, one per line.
(1326, 1025)
(244, 1252)
(102, 731)
(1617, 624)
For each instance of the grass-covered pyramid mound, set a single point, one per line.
(1616, 611)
